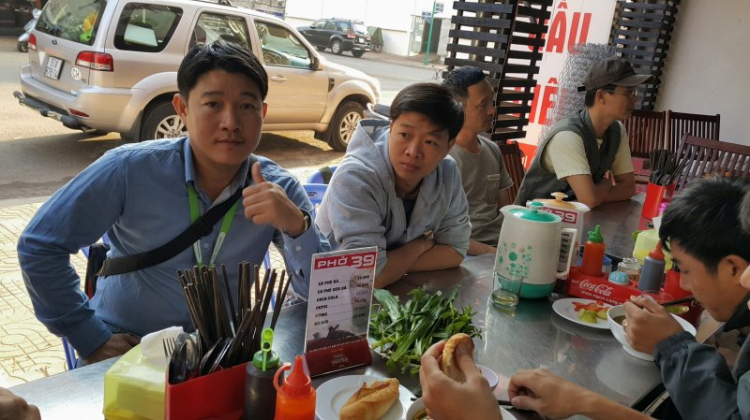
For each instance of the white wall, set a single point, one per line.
(706, 71)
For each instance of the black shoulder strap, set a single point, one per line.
(200, 228)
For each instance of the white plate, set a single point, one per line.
(333, 394)
(565, 308)
(418, 405)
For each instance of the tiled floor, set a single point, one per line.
(27, 350)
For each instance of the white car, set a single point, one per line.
(106, 66)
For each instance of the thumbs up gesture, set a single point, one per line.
(267, 203)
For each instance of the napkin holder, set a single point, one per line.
(134, 389)
(220, 395)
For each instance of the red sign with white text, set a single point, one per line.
(361, 260)
(338, 310)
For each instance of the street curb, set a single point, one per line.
(416, 61)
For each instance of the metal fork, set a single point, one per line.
(169, 345)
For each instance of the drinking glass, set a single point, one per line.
(507, 291)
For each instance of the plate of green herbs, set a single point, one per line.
(403, 332)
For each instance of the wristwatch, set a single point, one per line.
(307, 222)
(307, 219)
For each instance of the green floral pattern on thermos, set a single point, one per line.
(520, 260)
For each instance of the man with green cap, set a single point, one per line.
(587, 155)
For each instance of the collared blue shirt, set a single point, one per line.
(137, 194)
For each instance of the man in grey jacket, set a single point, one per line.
(395, 188)
(702, 228)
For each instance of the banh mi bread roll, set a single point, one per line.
(448, 363)
(370, 402)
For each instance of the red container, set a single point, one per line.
(655, 195)
(220, 395)
(599, 288)
(672, 286)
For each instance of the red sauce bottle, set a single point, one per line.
(593, 254)
(295, 399)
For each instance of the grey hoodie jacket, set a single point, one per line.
(697, 376)
(361, 209)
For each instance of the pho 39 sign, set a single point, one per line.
(338, 310)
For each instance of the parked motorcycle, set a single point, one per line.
(376, 38)
(23, 40)
(378, 112)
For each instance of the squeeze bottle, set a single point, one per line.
(593, 254)
(652, 272)
(260, 392)
(295, 399)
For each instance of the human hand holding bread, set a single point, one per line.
(449, 374)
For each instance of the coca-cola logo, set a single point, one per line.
(599, 289)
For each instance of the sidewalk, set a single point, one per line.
(412, 61)
(27, 350)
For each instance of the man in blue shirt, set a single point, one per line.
(140, 195)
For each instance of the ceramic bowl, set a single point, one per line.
(415, 408)
(490, 375)
(619, 332)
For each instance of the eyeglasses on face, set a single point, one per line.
(631, 94)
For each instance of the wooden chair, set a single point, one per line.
(709, 158)
(698, 125)
(645, 132)
(513, 161)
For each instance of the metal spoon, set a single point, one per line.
(210, 356)
(192, 358)
(219, 355)
(183, 364)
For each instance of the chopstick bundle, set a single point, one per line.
(215, 316)
(665, 167)
(280, 298)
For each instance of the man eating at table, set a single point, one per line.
(479, 159)
(587, 155)
(708, 230)
(396, 190)
(144, 195)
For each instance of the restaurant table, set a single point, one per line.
(618, 220)
(530, 336)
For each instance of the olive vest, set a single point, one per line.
(540, 183)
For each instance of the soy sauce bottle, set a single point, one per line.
(652, 272)
(260, 394)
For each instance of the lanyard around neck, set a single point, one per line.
(226, 223)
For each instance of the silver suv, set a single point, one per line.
(104, 66)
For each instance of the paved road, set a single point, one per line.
(393, 72)
(38, 155)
